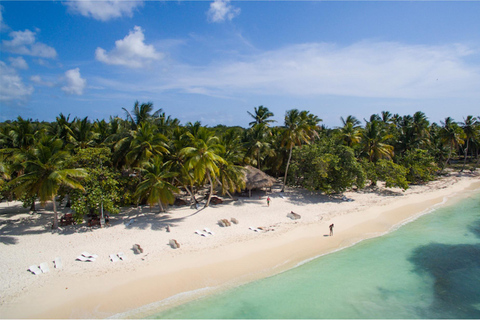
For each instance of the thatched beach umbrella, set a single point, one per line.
(255, 178)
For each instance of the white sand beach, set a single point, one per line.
(231, 256)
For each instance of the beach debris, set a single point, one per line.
(200, 233)
(129, 222)
(167, 228)
(122, 256)
(347, 199)
(234, 220)
(294, 216)
(174, 244)
(224, 223)
(114, 258)
(58, 263)
(216, 200)
(87, 257)
(208, 231)
(35, 270)
(137, 249)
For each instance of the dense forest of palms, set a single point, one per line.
(149, 157)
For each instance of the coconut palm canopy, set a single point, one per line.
(256, 178)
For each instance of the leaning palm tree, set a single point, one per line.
(45, 173)
(155, 186)
(203, 158)
(298, 130)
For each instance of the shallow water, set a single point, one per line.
(429, 268)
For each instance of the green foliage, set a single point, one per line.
(421, 166)
(393, 174)
(326, 167)
(101, 185)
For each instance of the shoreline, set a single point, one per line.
(235, 255)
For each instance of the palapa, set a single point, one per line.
(255, 178)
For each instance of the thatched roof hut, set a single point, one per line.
(255, 178)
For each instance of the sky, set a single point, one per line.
(212, 61)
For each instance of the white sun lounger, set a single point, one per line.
(200, 233)
(208, 231)
(58, 263)
(130, 222)
(85, 259)
(114, 258)
(254, 229)
(88, 255)
(35, 270)
(122, 256)
(44, 267)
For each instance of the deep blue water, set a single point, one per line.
(429, 268)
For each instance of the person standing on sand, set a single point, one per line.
(331, 229)
(268, 201)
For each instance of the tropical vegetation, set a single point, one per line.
(150, 157)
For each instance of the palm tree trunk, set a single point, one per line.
(55, 214)
(465, 159)
(286, 169)
(449, 156)
(192, 200)
(225, 190)
(211, 189)
(160, 206)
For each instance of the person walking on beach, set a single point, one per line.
(268, 201)
(331, 229)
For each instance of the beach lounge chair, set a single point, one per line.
(208, 231)
(122, 256)
(114, 258)
(254, 229)
(35, 270)
(200, 233)
(44, 267)
(58, 263)
(87, 257)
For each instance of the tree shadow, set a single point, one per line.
(456, 274)
(8, 240)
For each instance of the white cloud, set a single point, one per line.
(103, 10)
(2, 24)
(364, 69)
(39, 81)
(130, 51)
(221, 10)
(18, 63)
(12, 89)
(75, 83)
(24, 43)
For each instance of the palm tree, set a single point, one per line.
(374, 142)
(297, 131)
(470, 127)
(82, 134)
(351, 119)
(257, 143)
(155, 185)
(261, 116)
(452, 136)
(146, 142)
(141, 113)
(45, 172)
(203, 157)
(350, 134)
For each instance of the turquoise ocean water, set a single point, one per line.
(429, 268)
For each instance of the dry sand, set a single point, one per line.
(232, 256)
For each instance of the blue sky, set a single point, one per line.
(213, 61)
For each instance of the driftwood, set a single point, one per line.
(294, 216)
